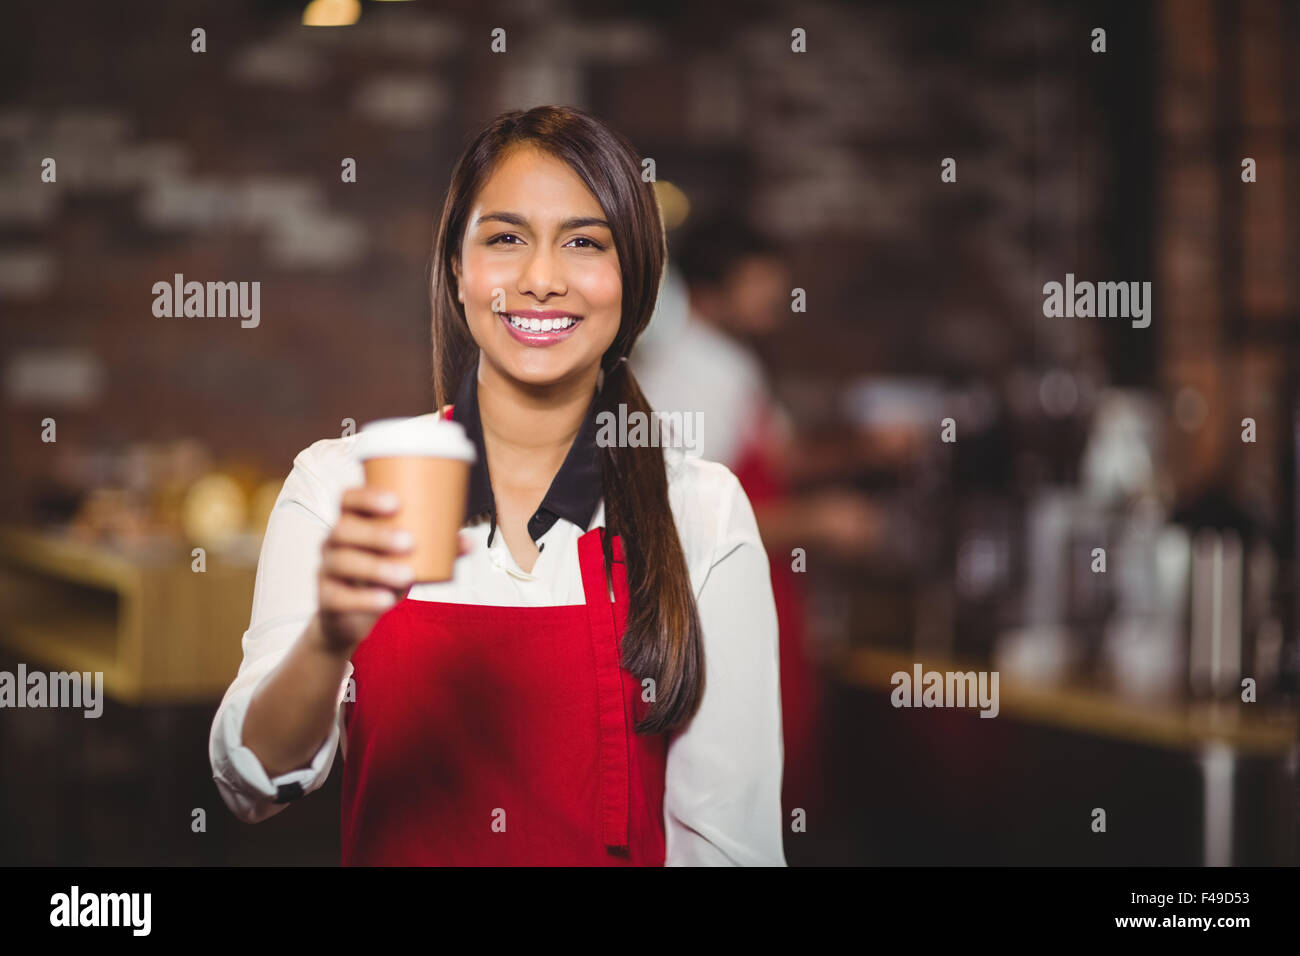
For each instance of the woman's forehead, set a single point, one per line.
(537, 186)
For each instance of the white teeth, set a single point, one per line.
(540, 325)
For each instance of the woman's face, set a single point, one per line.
(536, 248)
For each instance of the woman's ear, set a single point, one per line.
(455, 268)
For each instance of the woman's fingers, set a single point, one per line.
(362, 568)
(365, 566)
(337, 597)
(355, 531)
(371, 501)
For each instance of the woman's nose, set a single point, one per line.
(541, 275)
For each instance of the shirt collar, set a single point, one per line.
(575, 492)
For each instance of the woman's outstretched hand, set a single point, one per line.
(364, 568)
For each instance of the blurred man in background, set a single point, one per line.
(726, 289)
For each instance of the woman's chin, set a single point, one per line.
(541, 371)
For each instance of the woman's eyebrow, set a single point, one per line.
(514, 219)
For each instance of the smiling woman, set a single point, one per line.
(531, 326)
(534, 221)
(548, 705)
(538, 237)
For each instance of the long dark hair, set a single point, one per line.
(663, 636)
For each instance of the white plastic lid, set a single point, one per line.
(429, 436)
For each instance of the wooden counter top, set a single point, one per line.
(159, 631)
(1192, 725)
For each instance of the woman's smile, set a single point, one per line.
(538, 328)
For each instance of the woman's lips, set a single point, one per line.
(537, 339)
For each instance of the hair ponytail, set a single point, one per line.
(663, 638)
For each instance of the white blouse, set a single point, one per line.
(722, 800)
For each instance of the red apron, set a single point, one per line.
(485, 735)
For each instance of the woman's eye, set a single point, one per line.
(501, 240)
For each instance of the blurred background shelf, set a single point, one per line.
(159, 631)
(1190, 725)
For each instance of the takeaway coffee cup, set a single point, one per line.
(425, 461)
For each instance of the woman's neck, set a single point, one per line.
(528, 431)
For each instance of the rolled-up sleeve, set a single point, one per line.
(284, 601)
(722, 800)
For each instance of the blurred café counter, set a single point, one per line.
(140, 565)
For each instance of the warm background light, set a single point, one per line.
(331, 13)
(673, 203)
